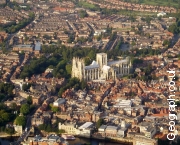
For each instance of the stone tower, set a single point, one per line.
(78, 68)
(101, 59)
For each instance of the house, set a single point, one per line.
(37, 121)
(86, 129)
(59, 102)
(102, 128)
(68, 127)
(26, 48)
(111, 131)
(122, 132)
(161, 14)
(148, 129)
(37, 48)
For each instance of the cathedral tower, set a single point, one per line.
(101, 59)
(78, 68)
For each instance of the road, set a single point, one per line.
(25, 134)
(8, 40)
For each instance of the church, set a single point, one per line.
(101, 69)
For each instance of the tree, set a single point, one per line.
(25, 108)
(99, 122)
(54, 109)
(83, 84)
(166, 42)
(42, 126)
(20, 120)
(83, 14)
(13, 106)
(29, 100)
(173, 28)
(48, 128)
(68, 68)
(61, 131)
(25, 87)
(10, 130)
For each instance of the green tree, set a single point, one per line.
(166, 42)
(69, 68)
(25, 87)
(54, 109)
(48, 128)
(10, 130)
(25, 108)
(13, 106)
(173, 28)
(61, 131)
(20, 120)
(29, 100)
(83, 13)
(99, 122)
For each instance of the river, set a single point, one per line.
(78, 141)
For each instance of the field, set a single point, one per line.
(88, 6)
(111, 11)
(171, 3)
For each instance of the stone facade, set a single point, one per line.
(144, 141)
(101, 69)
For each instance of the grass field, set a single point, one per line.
(88, 5)
(110, 11)
(171, 3)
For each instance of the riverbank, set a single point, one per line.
(124, 141)
(121, 141)
(5, 135)
(78, 141)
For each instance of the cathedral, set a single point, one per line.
(101, 69)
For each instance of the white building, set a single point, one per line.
(101, 69)
(18, 129)
(70, 128)
(161, 14)
(59, 102)
(124, 104)
(86, 129)
(102, 128)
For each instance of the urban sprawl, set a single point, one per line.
(107, 70)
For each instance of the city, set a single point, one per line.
(90, 72)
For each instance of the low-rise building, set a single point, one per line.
(68, 127)
(59, 102)
(86, 129)
(26, 48)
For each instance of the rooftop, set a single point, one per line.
(24, 46)
(86, 125)
(92, 65)
(38, 46)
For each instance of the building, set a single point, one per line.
(148, 129)
(124, 104)
(161, 14)
(101, 69)
(18, 1)
(18, 129)
(111, 131)
(2, 1)
(51, 139)
(25, 48)
(69, 127)
(59, 102)
(37, 48)
(86, 129)
(144, 141)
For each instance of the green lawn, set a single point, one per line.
(88, 5)
(172, 3)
